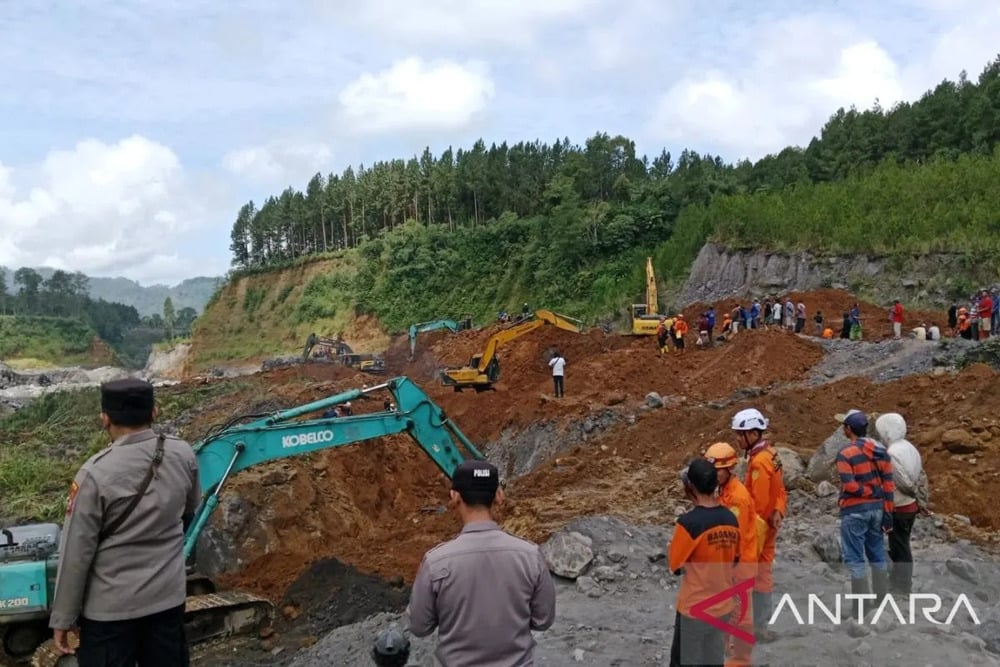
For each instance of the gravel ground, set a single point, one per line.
(620, 611)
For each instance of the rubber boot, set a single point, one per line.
(859, 586)
(761, 615)
(880, 585)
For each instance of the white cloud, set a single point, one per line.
(278, 163)
(801, 71)
(415, 95)
(99, 208)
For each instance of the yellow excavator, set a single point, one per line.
(646, 316)
(484, 368)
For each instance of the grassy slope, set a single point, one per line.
(45, 443)
(272, 313)
(50, 341)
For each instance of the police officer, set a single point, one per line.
(485, 590)
(121, 577)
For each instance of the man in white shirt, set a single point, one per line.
(934, 333)
(558, 364)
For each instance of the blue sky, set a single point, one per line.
(132, 132)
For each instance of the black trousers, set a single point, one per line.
(697, 644)
(557, 381)
(901, 573)
(156, 640)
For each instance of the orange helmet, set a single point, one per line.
(722, 455)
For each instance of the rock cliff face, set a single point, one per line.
(933, 279)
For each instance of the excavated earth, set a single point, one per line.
(336, 536)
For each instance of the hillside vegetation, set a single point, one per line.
(33, 341)
(567, 227)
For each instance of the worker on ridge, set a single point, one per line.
(662, 332)
(765, 482)
(734, 496)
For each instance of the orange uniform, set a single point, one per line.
(706, 543)
(734, 496)
(766, 485)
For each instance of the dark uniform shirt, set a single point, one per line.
(139, 570)
(485, 591)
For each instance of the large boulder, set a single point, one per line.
(792, 466)
(568, 553)
(822, 465)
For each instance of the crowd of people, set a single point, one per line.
(978, 319)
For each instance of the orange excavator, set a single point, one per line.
(484, 368)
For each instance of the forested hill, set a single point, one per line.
(146, 299)
(567, 225)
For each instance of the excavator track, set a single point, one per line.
(206, 617)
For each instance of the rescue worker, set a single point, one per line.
(484, 591)
(765, 482)
(734, 496)
(121, 577)
(704, 547)
(661, 335)
(680, 330)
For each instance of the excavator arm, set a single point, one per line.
(652, 307)
(237, 446)
(424, 327)
(484, 368)
(277, 437)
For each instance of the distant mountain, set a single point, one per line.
(193, 292)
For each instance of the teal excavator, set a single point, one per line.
(426, 327)
(29, 554)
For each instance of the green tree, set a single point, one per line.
(169, 318)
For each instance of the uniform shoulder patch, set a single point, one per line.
(73, 490)
(754, 474)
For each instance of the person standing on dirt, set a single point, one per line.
(995, 314)
(953, 319)
(866, 506)
(558, 364)
(910, 497)
(800, 317)
(897, 319)
(765, 481)
(680, 330)
(662, 333)
(710, 324)
(855, 322)
(754, 322)
(484, 591)
(753, 530)
(818, 319)
(704, 548)
(121, 577)
(985, 315)
(776, 313)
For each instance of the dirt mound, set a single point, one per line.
(330, 594)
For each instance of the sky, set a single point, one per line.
(132, 132)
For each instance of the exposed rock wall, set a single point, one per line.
(932, 280)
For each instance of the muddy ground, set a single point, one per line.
(325, 534)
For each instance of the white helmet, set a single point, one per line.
(749, 420)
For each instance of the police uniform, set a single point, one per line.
(484, 591)
(126, 590)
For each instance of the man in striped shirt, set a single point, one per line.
(866, 492)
